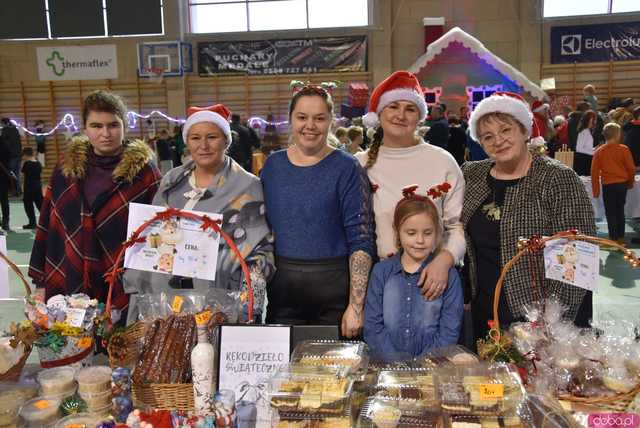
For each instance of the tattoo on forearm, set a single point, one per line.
(360, 266)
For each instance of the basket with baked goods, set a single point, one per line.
(387, 412)
(480, 390)
(353, 356)
(454, 355)
(414, 385)
(16, 344)
(597, 366)
(158, 346)
(299, 392)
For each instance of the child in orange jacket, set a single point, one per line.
(613, 163)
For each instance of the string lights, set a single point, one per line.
(68, 122)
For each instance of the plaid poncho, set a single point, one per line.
(76, 244)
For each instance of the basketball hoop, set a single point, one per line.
(156, 74)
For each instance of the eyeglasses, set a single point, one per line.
(504, 133)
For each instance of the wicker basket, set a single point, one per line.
(618, 402)
(161, 396)
(13, 374)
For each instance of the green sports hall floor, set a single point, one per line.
(618, 294)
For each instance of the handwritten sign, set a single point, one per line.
(573, 262)
(491, 391)
(175, 246)
(249, 355)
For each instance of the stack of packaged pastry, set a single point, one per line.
(352, 357)
(448, 356)
(402, 397)
(480, 396)
(310, 396)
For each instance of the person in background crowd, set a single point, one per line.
(357, 121)
(6, 179)
(632, 136)
(11, 136)
(589, 93)
(561, 135)
(613, 163)
(83, 221)
(573, 122)
(241, 149)
(163, 149)
(40, 142)
(355, 135)
(624, 113)
(212, 182)
(438, 133)
(464, 117)
(32, 170)
(343, 138)
(585, 144)
(398, 158)
(541, 118)
(318, 202)
(474, 149)
(429, 324)
(178, 146)
(457, 139)
(504, 202)
(566, 111)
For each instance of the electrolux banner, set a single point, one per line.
(293, 56)
(595, 43)
(77, 62)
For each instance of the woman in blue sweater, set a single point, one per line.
(400, 323)
(318, 202)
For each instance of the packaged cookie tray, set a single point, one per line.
(352, 355)
(472, 421)
(455, 355)
(481, 390)
(339, 422)
(408, 384)
(299, 392)
(385, 412)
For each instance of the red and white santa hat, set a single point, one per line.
(400, 86)
(502, 102)
(538, 106)
(217, 114)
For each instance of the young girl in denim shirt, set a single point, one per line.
(399, 322)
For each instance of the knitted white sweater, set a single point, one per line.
(425, 165)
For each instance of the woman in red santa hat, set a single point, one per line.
(212, 182)
(398, 158)
(517, 193)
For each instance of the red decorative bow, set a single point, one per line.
(409, 191)
(439, 190)
(220, 109)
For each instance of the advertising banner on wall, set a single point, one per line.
(595, 43)
(77, 62)
(292, 56)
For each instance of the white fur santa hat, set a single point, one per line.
(400, 86)
(502, 102)
(217, 114)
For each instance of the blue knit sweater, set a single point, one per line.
(319, 211)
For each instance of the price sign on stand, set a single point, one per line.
(249, 356)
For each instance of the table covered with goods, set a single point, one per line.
(162, 371)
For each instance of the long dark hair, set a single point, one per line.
(585, 120)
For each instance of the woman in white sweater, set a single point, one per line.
(398, 158)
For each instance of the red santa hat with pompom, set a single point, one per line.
(400, 86)
(217, 114)
(509, 103)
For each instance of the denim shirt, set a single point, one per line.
(399, 322)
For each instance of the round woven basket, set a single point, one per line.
(13, 374)
(155, 395)
(617, 402)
